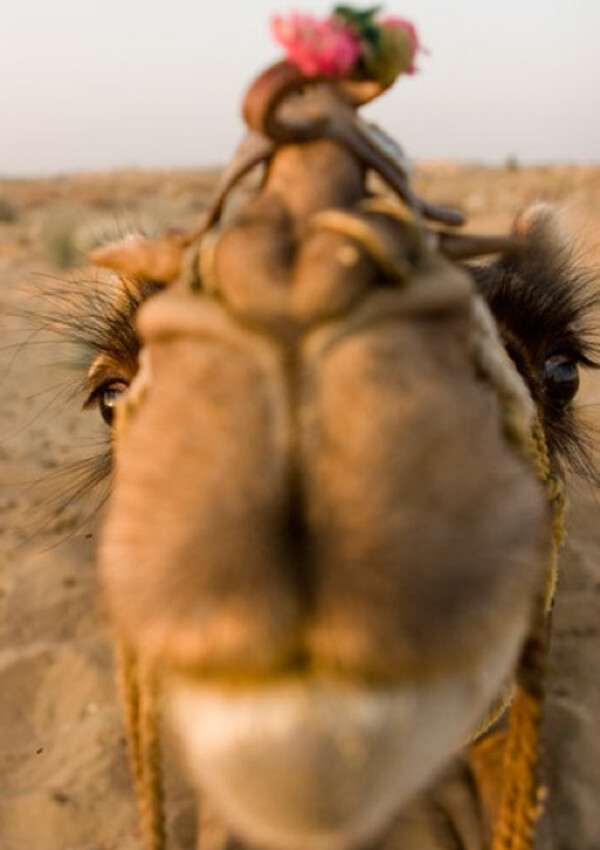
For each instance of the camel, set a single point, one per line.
(338, 449)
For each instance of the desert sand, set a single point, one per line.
(64, 782)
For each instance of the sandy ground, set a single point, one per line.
(64, 783)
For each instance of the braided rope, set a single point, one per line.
(556, 494)
(523, 795)
(521, 802)
(138, 687)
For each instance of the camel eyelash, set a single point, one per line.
(96, 317)
(88, 321)
(547, 305)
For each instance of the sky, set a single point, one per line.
(98, 84)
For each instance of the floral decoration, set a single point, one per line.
(350, 42)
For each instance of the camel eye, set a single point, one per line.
(561, 377)
(108, 396)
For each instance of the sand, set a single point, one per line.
(64, 782)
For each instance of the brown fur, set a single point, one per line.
(317, 479)
(300, 495)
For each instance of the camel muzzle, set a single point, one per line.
(325, 531)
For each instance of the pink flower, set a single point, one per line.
(411, 36)
(317, 47)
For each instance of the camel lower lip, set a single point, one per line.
(322, 763)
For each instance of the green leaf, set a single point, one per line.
(364, 24)
(360, 18)
(372, 35)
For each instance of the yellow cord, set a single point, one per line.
(142, 720)
(522, 796)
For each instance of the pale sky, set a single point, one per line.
(96, 84)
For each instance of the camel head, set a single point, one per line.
(326, 532)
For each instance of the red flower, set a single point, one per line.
(328, 47)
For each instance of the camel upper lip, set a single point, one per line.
(325, 763)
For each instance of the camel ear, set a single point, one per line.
(545, 234)
(139, 257)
